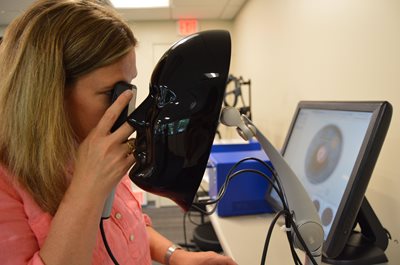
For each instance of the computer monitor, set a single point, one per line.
(333, 147)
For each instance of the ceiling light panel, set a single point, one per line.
(140, 3)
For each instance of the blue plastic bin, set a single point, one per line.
(246, 192)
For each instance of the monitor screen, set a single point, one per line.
(332, 147)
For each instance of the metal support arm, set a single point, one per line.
(299, 203)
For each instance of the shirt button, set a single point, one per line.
(118, 216)
(132, 237)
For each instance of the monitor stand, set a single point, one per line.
(366, 246)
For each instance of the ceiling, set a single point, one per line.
(179, 9)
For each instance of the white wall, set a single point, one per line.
(2, 28)
(326, 50)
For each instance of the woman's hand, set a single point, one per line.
(104, 158)
(181, 257)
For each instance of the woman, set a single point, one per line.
(59, 161)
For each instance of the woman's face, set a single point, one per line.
(89, 97)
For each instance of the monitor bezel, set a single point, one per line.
(354, 193)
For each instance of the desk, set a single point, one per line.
(243, 237)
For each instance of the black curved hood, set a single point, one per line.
(176, 123)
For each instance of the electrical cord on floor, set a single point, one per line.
(185, 244)
(184, 230)
(103, 236)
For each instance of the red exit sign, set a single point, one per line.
(187, 26)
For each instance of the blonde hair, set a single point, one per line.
(44, 51)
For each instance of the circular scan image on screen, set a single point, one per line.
(327, 216)
(323, 154)
(317, 205)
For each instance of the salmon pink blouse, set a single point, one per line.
(24, 227)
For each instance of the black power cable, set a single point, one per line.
(231, 175)
(103, 236)
(276, 185)
(269, 234)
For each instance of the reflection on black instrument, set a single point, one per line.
(176, 124)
